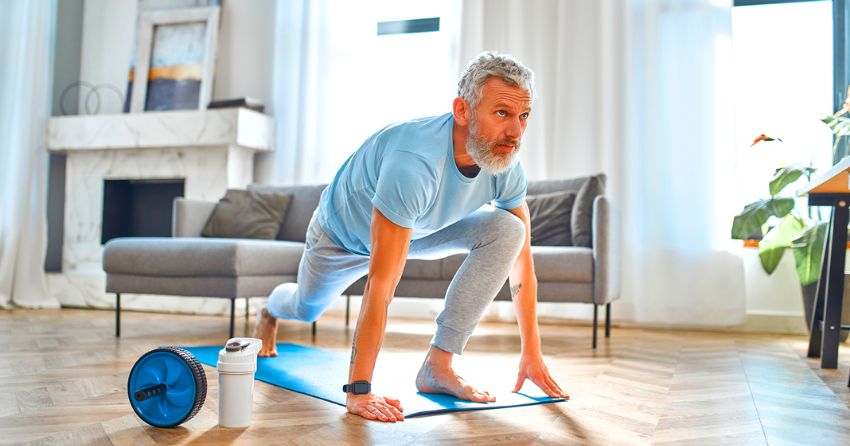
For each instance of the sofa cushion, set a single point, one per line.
(563, 263)
(305, 200)
(582, 215)
(550, 218)
(551, 263)
(247, 214)
(195, 256)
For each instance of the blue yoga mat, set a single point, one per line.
(321, 374)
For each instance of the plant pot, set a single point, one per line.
(809, 293)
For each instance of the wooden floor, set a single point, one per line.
(63, 381)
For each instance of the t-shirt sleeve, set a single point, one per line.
(405, 184)
(511, 187)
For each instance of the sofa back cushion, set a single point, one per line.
(550, 218)
(305, 200)
(586, 189)
(248, 214)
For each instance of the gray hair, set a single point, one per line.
(487, 65)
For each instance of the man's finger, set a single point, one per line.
(378, 413)
(546, 388)
(390, 410)
(557, 387)
(385, 410)
(396, 413)
(519, 381)
(394, 402)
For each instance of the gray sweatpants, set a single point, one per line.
(493, 238)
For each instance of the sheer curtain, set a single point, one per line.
(635, 89)
(678, 163)
(26, 38)
(298, 97)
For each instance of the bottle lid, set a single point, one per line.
(239, 355)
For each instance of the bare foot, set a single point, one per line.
(433, 378)
(266, 329)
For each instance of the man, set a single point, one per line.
(416, 189)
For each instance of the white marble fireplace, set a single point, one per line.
(209, 150)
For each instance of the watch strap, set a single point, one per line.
(357, 387)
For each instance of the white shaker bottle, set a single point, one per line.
(237, 362)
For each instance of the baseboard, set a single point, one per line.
(773, 322)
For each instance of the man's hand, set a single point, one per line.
(532, 367)
(374, 407)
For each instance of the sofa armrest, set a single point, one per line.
(190, 216)
(606, 251)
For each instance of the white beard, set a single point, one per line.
(482, 152)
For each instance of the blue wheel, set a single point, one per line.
(167, 387)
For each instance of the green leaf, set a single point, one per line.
(840, 126)
(756, 214)
(787, 175)
(774, 243)
(808, 252)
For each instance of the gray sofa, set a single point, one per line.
(190, 265)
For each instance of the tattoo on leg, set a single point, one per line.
(515, 289)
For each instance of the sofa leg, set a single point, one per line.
(247, 304)
(232, 314)
(313, 330)
(117, 315)
(608, 320)
(347, 308)
(595, 320)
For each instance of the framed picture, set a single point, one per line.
(175, 59)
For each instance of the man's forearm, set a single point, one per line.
(524, 296)
(524, 289)
(369, 333)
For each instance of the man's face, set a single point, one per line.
(497, 125)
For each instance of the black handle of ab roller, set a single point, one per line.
(147, 392)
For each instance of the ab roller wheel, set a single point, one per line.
(167, 387)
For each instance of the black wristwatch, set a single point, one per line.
(357, 387)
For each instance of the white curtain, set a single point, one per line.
(26, 47)
(635, 89)
(574, 48)
(678, 163)
(299, 93)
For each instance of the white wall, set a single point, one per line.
(774, 302)
(245, 48)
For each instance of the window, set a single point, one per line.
(783, 83)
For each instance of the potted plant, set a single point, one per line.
(784, 226)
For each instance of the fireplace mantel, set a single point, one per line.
(210, 150)
(204, 128)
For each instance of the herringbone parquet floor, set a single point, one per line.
(63, 381)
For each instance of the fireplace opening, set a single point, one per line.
(138, 208)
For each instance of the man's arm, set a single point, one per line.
(524, 295)
(389, 246)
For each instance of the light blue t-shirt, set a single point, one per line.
(407, 171)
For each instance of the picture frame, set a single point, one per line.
(175, 59)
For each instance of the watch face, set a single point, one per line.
(360, 387)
